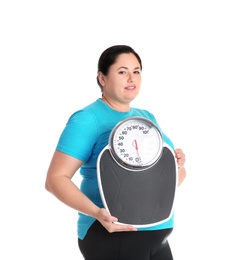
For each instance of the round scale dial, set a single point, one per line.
(136, 142)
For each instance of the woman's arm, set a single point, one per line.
(58, 181)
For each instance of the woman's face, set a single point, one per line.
(122, 83)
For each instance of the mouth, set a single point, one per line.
(130, 87)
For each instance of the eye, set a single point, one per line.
(137, 72)
(122, 72)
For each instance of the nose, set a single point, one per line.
(130, 77)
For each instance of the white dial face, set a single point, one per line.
(136, 142)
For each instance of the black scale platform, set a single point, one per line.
(140, 198)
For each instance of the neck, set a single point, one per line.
(121, 107)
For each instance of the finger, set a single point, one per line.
(121, 227)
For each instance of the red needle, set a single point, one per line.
(136, 144)
(136, 147)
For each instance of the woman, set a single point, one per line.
(85, 135)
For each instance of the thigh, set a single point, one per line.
(99, 244)
(164, 253)
(145, 245)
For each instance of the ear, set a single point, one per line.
(101, 78)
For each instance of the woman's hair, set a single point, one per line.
(109, 57)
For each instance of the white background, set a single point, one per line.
(48, 64)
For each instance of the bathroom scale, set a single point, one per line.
(137, 174)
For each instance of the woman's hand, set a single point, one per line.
(108, 222)
(180, 156)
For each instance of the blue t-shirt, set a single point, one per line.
(84, 137)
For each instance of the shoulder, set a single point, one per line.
(150, 116)
(85, 114)
(144, 113)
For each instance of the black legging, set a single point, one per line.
(99, 244)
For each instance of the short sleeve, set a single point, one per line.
(79, 135)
